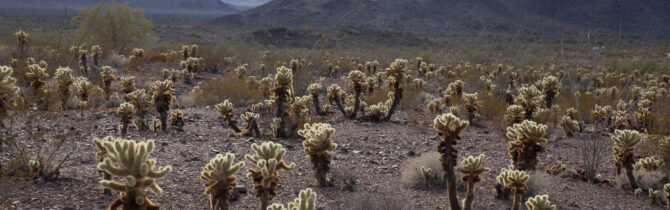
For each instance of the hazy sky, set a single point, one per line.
(246, 3)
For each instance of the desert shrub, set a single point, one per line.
(493, 109)
(345, 179)
(113, 26)
(212, 91)
(592, 152)
(411, 176)
(645, 180)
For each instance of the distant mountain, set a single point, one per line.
(466, 17)
(191, 7)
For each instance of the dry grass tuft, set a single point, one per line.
(238, 91)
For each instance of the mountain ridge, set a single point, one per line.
(190, 7)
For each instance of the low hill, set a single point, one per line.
(466, 17)
(189, 7)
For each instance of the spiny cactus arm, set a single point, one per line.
(473, 165)
(305, 201)
(268, 170)
(540, 202)
(516, 180)
(269, 150)
(449, 124)
(528, 131)
(113, 185)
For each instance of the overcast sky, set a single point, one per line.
(246, 3)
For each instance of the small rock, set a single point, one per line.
(411, 153)
(356, 152)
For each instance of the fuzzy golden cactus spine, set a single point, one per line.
(65, 80)
(540, 202)
(128, 84)
(126, 111)
(177, 120)
(397, 73)
(225, 110)
(472, 104)
(108, 75)
(516, 182)
(306, 200)
(21, 40)
(515, 114)
(357, 79)
(268, 159)
(318, 144)
(220, 174)
(569, 125)
(37, 74)
(649, 164)
(299, 112)
(527, 140)
(162, 97)
(449, 128)
(314, 90)
(551, 88)
(623, 151)
(643, 115)
(128, 160)
(100, 144)
(472, 168)
(283, 94)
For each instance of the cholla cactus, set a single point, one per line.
(314, 90)
(623, 151)
(449, 127)
(299, 114)
(65, 80)
(220, 174)
(649, 164)
(318, 144)
(666, 190)
(428, 175)
(84, 90)
(136, 57)
(268, 159)
(396, 73)
(251, 127)
(643, 115)
(305, 201)
(472, 104)
(516, 182)
(156, 124)
(500, 189)
(551, 88)
(568, 125)
(108, 75)
(128, 84)
(21, 40)
(127, 160)
(36, 74)
(602, 115)
(225, 110)
(177, 120)
(100, 144)
(96, 51)
(142, 103)
(125, 112)
(530, 98)
(419, 83)
(162, 97)
(540, 202)
(241, 71)
(638, 192)
(335, 95)
(654, 196)
(472, 168)
(283, 91)
(515, 114)
(357, 79)
(434, 106)
(527, 139)
(376, 112)
(455, 89)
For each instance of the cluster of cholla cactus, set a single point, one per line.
(472, 168)
(515, 114)
(100, 144)
(569, 123)
(397, 74)
(643, 115)
(318, 144)
(65, 80)
(268, 158)
(526, 141)
(36, 75)
(516, 182)
(314, 90)
(623, 151)
(85, 89)
(357, 79)
(108, 75)
(251, 128)
(161, 95)
(128, 160)
(472, 104)
(139, 99)
(649, 164)
(136, 58)
(449, 128)
(306, 200)
(220, 175)
(530, 98)
(125, 111)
